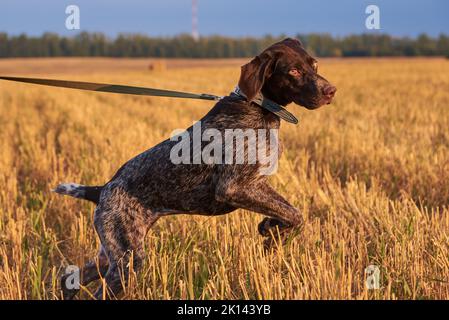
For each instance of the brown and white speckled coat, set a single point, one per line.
(150, 185)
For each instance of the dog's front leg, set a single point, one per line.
(262, 198)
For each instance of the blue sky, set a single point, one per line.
(226, 17)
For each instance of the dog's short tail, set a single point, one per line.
(79, 191)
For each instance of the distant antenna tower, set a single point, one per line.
(195, 33)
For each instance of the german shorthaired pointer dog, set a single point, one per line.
(151, 185)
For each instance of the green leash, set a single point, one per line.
(101, 87)
(112, 88)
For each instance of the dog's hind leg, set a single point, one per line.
(122, 229)
(91, 271)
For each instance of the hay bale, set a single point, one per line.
(157, 65)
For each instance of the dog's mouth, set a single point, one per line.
(327, 100)
(324, 100)
(312, 105)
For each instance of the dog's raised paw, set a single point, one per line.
(268, 224)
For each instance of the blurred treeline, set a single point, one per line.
(184, 46)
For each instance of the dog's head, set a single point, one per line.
(286, 73)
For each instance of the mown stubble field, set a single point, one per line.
(369, 173)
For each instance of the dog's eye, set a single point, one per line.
(294, 72)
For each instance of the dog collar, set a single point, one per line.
(269, 105)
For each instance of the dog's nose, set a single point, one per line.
(329, 91)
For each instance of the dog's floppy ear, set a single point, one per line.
(254, 74)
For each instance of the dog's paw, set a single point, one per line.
(67, 294)
(268, 224)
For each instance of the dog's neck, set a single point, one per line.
(269, 105)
